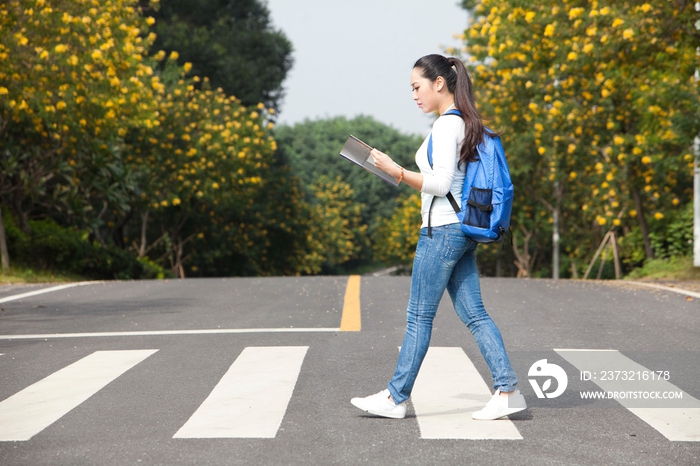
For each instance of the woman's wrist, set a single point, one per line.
(399, 178)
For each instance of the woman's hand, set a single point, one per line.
(385, 164)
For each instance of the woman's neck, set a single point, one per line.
(448, 106)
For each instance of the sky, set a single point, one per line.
(354, 57)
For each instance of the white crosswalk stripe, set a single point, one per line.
(251, 398)
(31, 410)
(678, 420)
(447, 391)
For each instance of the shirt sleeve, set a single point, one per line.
(445, 155)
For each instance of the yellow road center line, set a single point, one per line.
(351, 320)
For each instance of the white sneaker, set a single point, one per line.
(500, 406)
(380, 404)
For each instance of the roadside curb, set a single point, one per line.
(665, 288)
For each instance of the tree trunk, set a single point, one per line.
(144, 224)
(574, 272)
(555, 230)
(3, 245)
(22, 217)
(118, 233)
(178, 269)
(96, 230)
(642, 223)
(523, 260)
(555, 244)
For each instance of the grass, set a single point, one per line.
(674, 268)
(19, 275)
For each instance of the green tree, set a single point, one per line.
(73, 80)
(313, 148)
(335, 232)
(97, 134)
(397, 236)
(232, 42)
(599, 106)
(206, 198)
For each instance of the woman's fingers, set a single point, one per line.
(385, 163)
(381, 160)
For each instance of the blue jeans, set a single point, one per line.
(447, 261)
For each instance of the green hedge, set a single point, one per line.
(50, 246)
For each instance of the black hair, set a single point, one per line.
(459, 83)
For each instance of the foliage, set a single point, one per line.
(335, 231)
(99, 135)
(52, 247)
(599, 107)
(205, 167)
(109, 152)
(232, 42)
(397, 236)
(631, 246)
(265, 237)
(671, 237)
(74, 80)
(670, 268)
(19, 274)
(312, 148)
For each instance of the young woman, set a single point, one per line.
(445, 258)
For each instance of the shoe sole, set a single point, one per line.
(381, 414)
(504, 413)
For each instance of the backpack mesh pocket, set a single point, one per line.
(479, 208)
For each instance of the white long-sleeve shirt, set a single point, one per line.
(445, 176)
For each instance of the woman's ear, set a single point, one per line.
(439, 83)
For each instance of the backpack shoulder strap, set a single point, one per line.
(449, 195)
(453, 111)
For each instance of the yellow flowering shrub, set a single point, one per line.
(397, 236)
(74, 79)
(152, 160)
(63, 62)
(590, 97)
(210, 157)
(335, 233)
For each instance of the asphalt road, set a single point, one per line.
(198, 330)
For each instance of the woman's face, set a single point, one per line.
(425, 92)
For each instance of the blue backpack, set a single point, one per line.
(487, 193)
